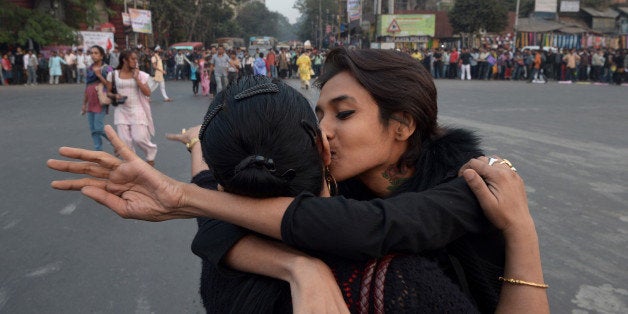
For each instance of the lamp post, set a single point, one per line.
(514, 45)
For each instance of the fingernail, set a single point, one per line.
(468, 175)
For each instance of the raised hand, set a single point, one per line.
(128, 186)
(500, 191)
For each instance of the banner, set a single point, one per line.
(406, 25)
(546, 6)
(102, 39)
(126, 19)
(570, 6)
(140, 21)
(354, 10)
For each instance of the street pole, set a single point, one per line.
(126, 34)
(320, 25)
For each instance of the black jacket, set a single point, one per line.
(434, 211)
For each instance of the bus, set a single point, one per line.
(263, 43)
(230, 43)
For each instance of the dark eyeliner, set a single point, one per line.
(344, 114)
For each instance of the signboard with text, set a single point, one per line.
(406, 24)
(141, 21)
(102, 39)
(354, 10)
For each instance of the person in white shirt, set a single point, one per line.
(30, 66)
(81, 66)
(70, 69)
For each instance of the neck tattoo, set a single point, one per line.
(396, 176)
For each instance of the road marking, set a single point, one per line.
(143, 307)
(68, 210)
(46, 269)
(11, 224)
(602, 299)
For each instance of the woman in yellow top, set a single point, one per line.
(305, 69)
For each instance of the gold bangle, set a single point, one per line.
(191, 144)
(524, 283)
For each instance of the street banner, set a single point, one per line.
(126, 19)
(141, 21)
(406, 24)
(354, 10)
(549, 6)
(570, 6)
(102, 39)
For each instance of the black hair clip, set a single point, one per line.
(258, 89)
(258, 161)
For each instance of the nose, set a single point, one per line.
(326, 129)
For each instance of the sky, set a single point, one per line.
(284, 7)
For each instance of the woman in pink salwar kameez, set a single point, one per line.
(133, 118)
(204, 72)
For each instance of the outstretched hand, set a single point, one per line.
(500, 191)
(128, 186)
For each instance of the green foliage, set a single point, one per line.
(20, 24)
(470, 16)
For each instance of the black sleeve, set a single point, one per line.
(407, 223)
(214, 238)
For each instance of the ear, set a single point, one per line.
(325, 150)
(404, 126)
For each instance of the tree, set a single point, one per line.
(255, 19)
(18, 25)
(310, 14)
(471, 16)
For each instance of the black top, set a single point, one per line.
(409, 222)
(466, 58)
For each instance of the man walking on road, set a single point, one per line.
(158, 80)
(220, 65)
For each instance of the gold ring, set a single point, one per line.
(509, 164)
(505, 162)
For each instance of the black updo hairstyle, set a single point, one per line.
(260, 139)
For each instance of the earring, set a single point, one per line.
(332, 185)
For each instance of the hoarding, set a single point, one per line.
(102, 39)
(141, 21)
(569, 6)
(549, 6)
(406, 25)
(354, 10)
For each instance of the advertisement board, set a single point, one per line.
(406, 25)
(141, 21)
(354, 10)
(569, 6)
(549, 6)
(87, 39)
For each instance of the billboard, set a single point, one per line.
(354, 10)
(549, 6)
(569, 6)
(103, 39)
(406, 25)
(141, 21)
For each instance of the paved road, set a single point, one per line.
(62, 253)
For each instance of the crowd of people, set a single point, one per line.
(538, 65)
(30, 68)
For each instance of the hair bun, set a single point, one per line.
(257, 161)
